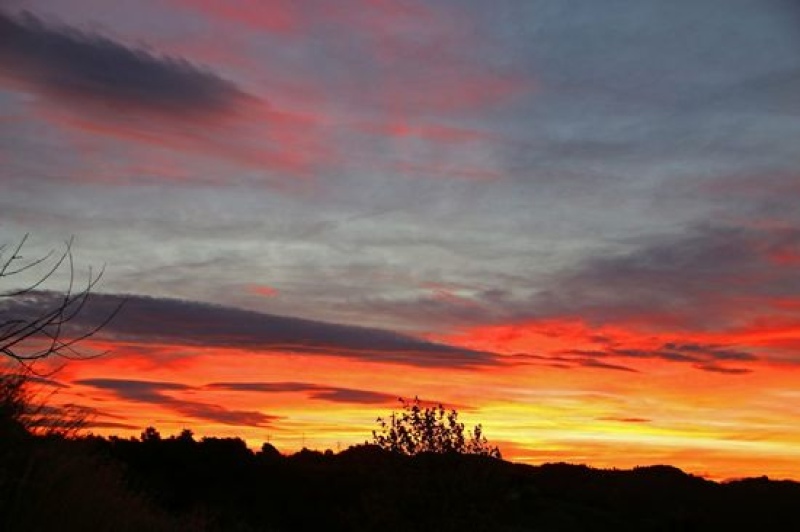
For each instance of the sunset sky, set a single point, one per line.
(578, 223)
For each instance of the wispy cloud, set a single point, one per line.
(323, 393)
(707, 277)
(158, 394)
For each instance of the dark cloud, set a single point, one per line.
(707, 357)
(263, 387)
(570, 359)
(145, 319)
(347, 395)
(592, 363)
(711, 351)
(720, 369)
(68, 63)
(71, 415)
(134, 390)
(155, 393)
(110, 425)
(643, 353)
(696, 279)
(220, 414)
(703, 356)
(323, 393)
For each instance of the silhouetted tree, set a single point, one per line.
(417, 429)
(151, 434)
(270, 452)
(13, 405)
(29, 334)
(186, 436)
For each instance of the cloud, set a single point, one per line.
(720, 369)
(348, 395)
(73, 65)
(707, 277)
(625, 419)
(592, 363)
(263, 387)
(92, 87)
(713, 296)
(383, 41)
(263, 290)
(110, 425)
(157, 320)
(324, 393)
(570, 342)
(710, 351)
(134, 390)
(673, 352)
(703, 357)
(156, 393)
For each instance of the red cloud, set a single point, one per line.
(273, 16)
(407, 58)
(263, 290)
(434, 132)
(252, 136)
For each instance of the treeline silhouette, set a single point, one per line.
(180, 483)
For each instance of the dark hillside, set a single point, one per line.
(219, 484)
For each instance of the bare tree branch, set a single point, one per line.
(28, 339)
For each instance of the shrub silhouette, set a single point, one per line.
(433, 429)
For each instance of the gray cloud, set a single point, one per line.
(146, 319)
(695, 279)
(726, 370)
(593, 363)
(570, 360)
(155, 393)
(710, 351)
(704, 357)
(324, 393)
(348, 395)
(133, 390)
(68, 63)
(158, 393)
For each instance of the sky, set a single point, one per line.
(574, 222)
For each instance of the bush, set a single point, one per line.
(419, 429)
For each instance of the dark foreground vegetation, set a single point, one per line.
(177, 483)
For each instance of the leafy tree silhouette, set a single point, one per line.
(151, 434)
(417, 429)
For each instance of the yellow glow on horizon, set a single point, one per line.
(717, 425)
